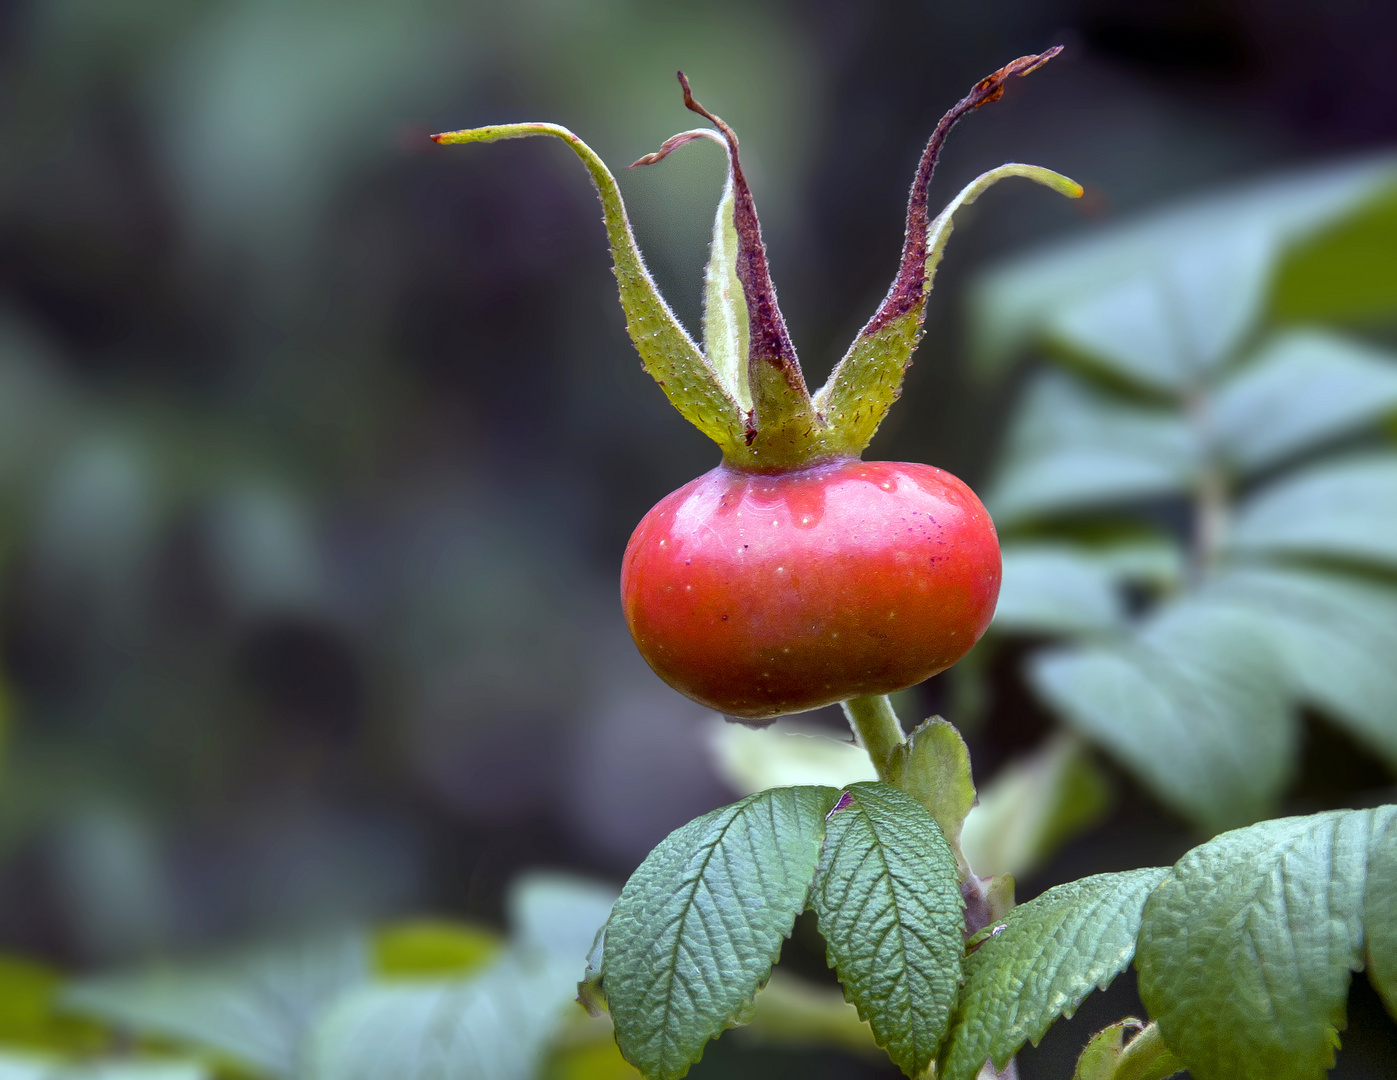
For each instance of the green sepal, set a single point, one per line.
(745, 337)
(745, 390)
(868, 380)
(667, 351)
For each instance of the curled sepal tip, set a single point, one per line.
(868, 379)
(666, 350)
(745, 389)
(745, 336)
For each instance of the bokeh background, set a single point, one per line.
(320, 444)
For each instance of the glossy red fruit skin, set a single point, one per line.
(759, 595)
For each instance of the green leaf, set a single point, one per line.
(592, 1060)
(666, 350)
(1032, 807)
(1039, 962)
(255, 1006)
(27, 1067)
(496, 1024)
(1345, 273)
(933, 766)
(1344, 509)
(139, 1069)
(1102, 1053)
(700, 923)
(1108, 1057)
(29, 994)
(1056, 589)
(866, 382)
(889, 904)
(1337, 635)
(1380, 914)
(1305, 388)
(752, 760)
(1195, 703)
(1247, 947)
(1013, 303)
(432, 947)
(1169, 326)
(1073, 448)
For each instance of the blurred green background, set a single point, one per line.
(320, 444)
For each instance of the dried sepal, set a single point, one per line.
(868, 379)
(745, 389)
(782, 426)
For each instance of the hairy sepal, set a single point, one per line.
(745, 337)
(868, 379)
(666, 350)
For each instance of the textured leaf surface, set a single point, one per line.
(1345, 509)
(1012, 303)
(700, 923)
(1305, 388)
(666, 350)
(1196, 704)
(1073, 448)
(256, 1006)
(890, 909)
(1247, 948)
(1055, 589)
(1380, 913)
(1337, 636)
(1050, 953)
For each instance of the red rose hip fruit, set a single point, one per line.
(759, 595)
(795, 575)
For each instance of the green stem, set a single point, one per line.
(1146, 1057)
(877, 729)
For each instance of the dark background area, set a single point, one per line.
(320, 444)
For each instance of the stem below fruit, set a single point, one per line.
(877, 729)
